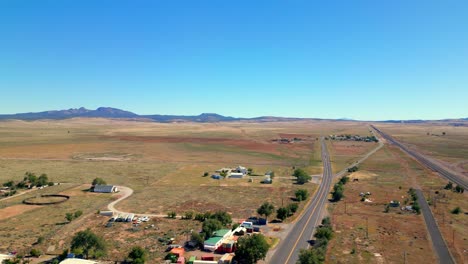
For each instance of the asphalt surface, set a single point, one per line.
(425, 161)
(438, 242)
(288, 250)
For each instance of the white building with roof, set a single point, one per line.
(105, 188)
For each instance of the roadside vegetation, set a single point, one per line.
(317, 252)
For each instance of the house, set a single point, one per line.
(219, 237)
(241, 169)
(105, 188)
(237, 175)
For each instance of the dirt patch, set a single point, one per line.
(362, 175)
(16, 210)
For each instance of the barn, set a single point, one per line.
(105, 188)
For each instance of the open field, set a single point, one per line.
(450, 148)
(388, 175)
(163, 163)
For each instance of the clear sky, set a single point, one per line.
(370, 60)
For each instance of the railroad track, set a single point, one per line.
(425, 161)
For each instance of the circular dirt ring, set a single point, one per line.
(46, 199)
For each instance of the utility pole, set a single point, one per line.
(367, 227)
(404, 257)
(453, 237)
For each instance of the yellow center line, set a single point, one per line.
(308, 220)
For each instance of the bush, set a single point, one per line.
(200, 217)
(137, 255)
(324, 232)
(459, 189)
(449, 186)
(171, 214)
(188, 215)
(301, 194)
(35, 253)
(78, 213)
(326, 221)
(416, 207)
(456, 210)
(51, 184)
(293, 207)
(40, 240)
(206, 174)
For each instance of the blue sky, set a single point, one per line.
(368, 60)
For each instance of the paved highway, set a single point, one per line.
(287, 251)
(436, 237)
(425, 161)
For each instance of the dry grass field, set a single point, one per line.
(450, 148)
(388, 175)
(164, 165)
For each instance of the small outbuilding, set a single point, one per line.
(105, 188)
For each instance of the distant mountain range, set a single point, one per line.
(109, 112)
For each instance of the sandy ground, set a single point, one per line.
(16, 210)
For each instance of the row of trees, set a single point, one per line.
(338, 189)
(29, 180)
(316, 253)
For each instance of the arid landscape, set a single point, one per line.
(165, 165)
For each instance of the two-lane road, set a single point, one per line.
(288, 250)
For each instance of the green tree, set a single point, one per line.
(301, 194)
(88, 243)
(42, 180)
(222, 217)
(98, 181)
(209, 226)
(324, 232)
(303, 179)
(301, 176)
(197, 239)
(337, 193)
(251, 249)
(266, 209)
(309, 256)
(205, 174)
(344, 179)
(137, 255)
(282, 213)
